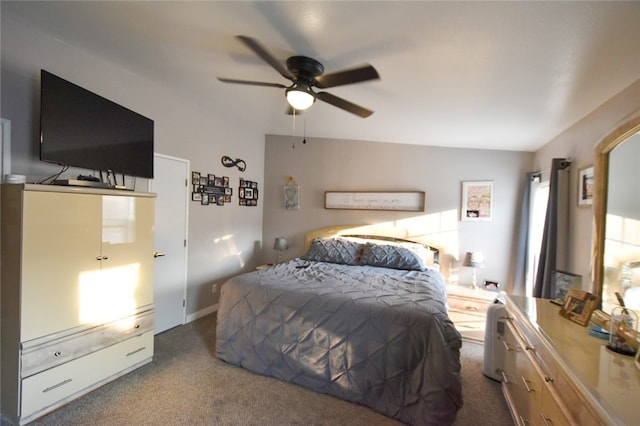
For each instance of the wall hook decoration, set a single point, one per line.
(230, 162)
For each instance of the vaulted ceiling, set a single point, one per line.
(494, 75)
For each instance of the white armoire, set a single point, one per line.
(77, 292)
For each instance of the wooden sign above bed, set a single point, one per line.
(375, 200)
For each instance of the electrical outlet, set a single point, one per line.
(214, 288)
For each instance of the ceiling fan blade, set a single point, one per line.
(254, 45)
(354, 75)
(252, 83)
(344, 104)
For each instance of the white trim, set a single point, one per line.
(5, 148)
(202, 312)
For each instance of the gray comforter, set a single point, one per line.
(375, 336)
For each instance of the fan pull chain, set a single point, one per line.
(293, 132)
(304, 138)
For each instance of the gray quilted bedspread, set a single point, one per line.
(375, 336)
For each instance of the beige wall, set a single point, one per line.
(330, 164)
(578, 143)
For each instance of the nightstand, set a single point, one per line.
(468, 310)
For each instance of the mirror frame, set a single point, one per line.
(600, 176)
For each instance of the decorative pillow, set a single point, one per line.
(335, 250)
(395, 256)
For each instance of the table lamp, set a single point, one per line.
(474, 259)
(279, 245)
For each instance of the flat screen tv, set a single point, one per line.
(82, 129)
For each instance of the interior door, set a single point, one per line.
(170, 183)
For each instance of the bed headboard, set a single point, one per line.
(373, 232)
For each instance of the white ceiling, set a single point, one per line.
(495, 75)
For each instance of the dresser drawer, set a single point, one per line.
(50, 388)
(43, 356)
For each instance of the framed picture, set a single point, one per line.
(585, 186)
(477, 201)
(562, 282)
(375, 200)
(195, 178)
(578, 306)
(291, 197)
(491, 285)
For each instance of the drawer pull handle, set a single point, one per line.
(62, 383)
(137, 326)
(57, 353)
(548, 379)
(526, 385)
(507, 346)
(523, 421)
(137, 350)
(545, 420)
(505, 380)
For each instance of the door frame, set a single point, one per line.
(186, 224)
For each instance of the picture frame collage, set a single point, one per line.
(248, 193)
(210, 189)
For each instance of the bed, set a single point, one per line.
(357, 317)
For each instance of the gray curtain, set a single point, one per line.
(522, 249)
(548, 252)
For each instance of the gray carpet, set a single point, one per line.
(187, 385)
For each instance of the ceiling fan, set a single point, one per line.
(306, 73)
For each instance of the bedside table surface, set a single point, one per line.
(454, 290)
(468, 310)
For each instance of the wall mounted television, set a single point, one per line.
(82, 129)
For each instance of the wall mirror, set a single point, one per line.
(616, 209)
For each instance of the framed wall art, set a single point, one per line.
(210, 190)
(375, 200)
(585, 186)
(477, 201)
(291, 195)
(248, 193)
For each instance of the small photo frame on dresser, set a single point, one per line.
(578, 306)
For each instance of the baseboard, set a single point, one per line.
(201, 313)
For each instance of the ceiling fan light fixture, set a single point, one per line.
(300, 97)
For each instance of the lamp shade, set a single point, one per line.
(473, 259)
(280, 243)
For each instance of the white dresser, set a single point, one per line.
(555, 373)
(77, 293)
